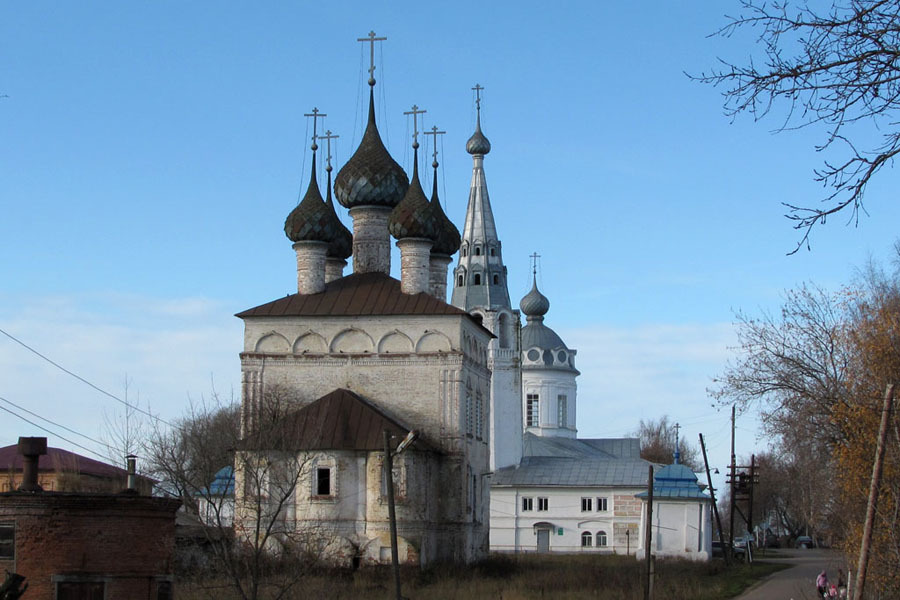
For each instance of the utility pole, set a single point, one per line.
(712, 494)
(389, 479)
(648, 540)
(873, 493)
(731, 499)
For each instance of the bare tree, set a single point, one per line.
(250, 523)
(658, 443)
(838, 67)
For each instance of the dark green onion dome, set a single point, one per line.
(478, 144)
(342, 244)
(371, 177)
(447, 240)
(534, 304)
(413, 217)
(311, 220)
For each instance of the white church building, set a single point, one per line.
(498, 465)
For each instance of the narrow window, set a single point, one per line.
(493, 252)
(496, 280)
(601, 539)
(464, 252)
(460, 281)
(7, 541)
(527, 503)
(323, 481)
(587, 504)
(477, 251)
(532, 410)
(479, 417)
(602, 505)
(477, 279)
(562, 405)
(543, 504)
(469, 428)
(586, 539)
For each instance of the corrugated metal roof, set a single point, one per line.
(358, 294)
(339, 420)
(676, 481)
(60, 460)
(538, 471)
(612, 448)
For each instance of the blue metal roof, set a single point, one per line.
(222, 483)
(676, 481)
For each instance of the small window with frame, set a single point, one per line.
(602, 504)
(527, 504)
(587, 504)
(543, 504)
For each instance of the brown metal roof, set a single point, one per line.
(355, 295)
(339, 420)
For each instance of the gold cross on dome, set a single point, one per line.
(371, 39)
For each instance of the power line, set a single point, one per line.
(83, 380)
(34, 414)
(54, 433)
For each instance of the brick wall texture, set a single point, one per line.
(125, 541)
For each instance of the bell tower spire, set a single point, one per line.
(479, 280)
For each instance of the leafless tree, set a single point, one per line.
(249, 522)
(837, 67)
(658, 443)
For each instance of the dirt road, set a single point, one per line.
(797, 582)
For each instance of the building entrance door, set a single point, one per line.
(543, 541)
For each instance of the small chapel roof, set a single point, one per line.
(359, 294)
(340, 420)
(676, 481)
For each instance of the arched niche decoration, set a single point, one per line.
(352, 341)
(433, 341)
(273, 343)
(310, 342)
(395, 342)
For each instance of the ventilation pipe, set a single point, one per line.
(131, 480)
(31, 449)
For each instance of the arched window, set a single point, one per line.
(601, 539)
(503, 330)
(587, 539)
(496, 280)
(477, 279)
(464, 251)
(460, 281)
(493, 252)
(477, 251)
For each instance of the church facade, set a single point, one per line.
(354, 356)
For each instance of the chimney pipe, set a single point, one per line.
(31, 449)
(131, 481)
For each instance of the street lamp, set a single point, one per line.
(411, 437)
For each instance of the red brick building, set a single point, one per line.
(88, 546)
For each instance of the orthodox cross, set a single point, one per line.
(677, 427)
(434, 131)
(415, 112)
(328, 137)
(534, 258)
(477, 89)
(316, 115)
(371, 39)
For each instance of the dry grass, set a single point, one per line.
(519, 578)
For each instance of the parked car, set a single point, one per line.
(718, 551)
(804, 542)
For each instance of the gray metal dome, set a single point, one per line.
(478, 143)
(534, 304)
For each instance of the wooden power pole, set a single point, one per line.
(648, 540)
(873, 493)
(712, 495)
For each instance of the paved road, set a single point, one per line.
(797, 582)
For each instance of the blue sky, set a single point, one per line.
(150, 153)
